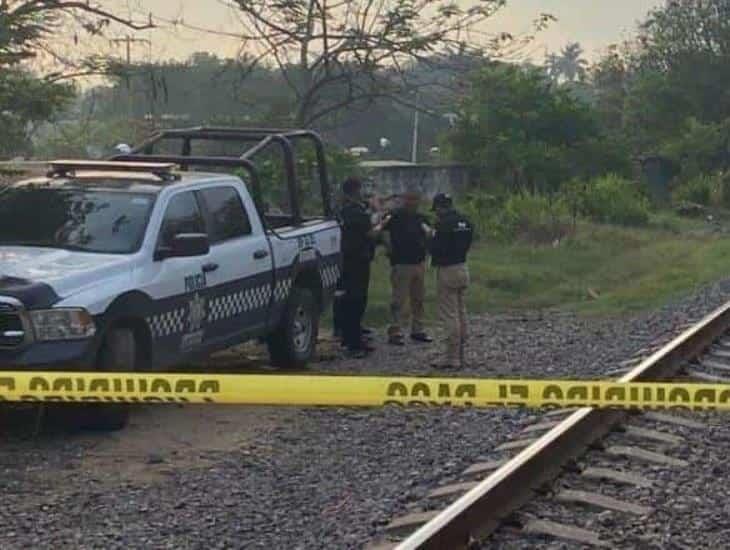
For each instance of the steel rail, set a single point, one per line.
(480, 511)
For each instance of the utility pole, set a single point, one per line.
(128, 41)
(414, 150)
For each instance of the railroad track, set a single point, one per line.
(546, 458)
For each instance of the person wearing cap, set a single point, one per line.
(449, 245)
(408, 249)
(376, 216)
(358, 251)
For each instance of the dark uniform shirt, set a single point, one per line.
(452, 240)
(357, 245)
(407, 238)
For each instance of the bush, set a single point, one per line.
(724, 190)
(612, 199)
(484, 211)
(535, 218)
(698, 190)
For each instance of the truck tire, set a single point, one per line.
(294, 342)
(118, 354)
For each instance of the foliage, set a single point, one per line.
(484, 211)
(535, 218)
(347, 54)
(688, 43)
(698, 190)
(615, 200)
(700, 147)
(569, 65)
(272, 177)
(25, 101)
(26, 28)
(87, 137)
(521, 129)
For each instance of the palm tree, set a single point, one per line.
(569, 65)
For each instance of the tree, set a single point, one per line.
(523, 130)
(569, 65)
(338, 54)
(26, 28)
(687, 42)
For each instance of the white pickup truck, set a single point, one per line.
(133, 265)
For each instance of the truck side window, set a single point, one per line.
(228, 218)
(182, 216)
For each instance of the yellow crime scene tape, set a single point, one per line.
(355, 391)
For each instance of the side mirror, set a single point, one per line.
(185, 245)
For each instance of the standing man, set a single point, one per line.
(450, 244)
(358, 250)
(408, 234)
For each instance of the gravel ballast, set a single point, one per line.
(310, 477)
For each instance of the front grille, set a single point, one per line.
(12, 330)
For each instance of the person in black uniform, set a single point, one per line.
(375, 208)
(358, 251)
(450, 244)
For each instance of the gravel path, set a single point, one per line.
(309, 478)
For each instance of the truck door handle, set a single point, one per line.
(209, 268)
(260, 254)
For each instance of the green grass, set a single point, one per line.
(630, 269)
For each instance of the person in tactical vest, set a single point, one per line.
(450, 243)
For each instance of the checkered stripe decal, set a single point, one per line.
(330, 274)
(282, 290)
(230, 305)
(167, 323)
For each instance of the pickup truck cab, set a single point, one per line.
(133, 265)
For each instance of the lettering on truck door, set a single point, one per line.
(239, 272)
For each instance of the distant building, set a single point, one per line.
(390, 177)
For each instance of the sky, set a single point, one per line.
(596, 24)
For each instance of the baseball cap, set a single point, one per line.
(351, 185)
(442, 200)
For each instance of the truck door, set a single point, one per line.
(239, 270)
(177, 285)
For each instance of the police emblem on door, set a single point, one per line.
(197, 311)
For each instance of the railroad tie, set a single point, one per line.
(518, 444)
(541, 427)
(654, 435)
(720, 352)
(405, 525)
(716, 364)
(711, 378)
(647, 456)
(676, 420)
(614, 476)
(455, 489)
(598, 500)
(563, 532)
(482, 468)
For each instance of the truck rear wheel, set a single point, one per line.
(295, 341)
(118, 354)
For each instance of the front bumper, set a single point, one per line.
(73, 355)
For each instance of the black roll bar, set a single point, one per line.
(266, 137)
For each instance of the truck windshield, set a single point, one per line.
(89, 220)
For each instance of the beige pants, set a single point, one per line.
(451, 285)
(408, 283)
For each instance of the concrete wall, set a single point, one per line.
(427, 179)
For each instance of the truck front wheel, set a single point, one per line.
(118, 354)
(294, 342)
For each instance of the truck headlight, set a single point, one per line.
(62, 324)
